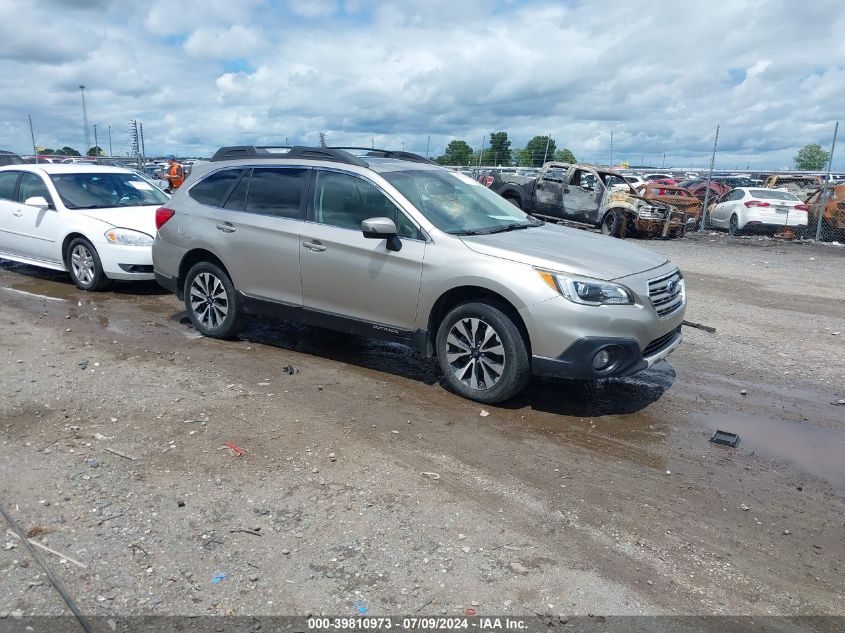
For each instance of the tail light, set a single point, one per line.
(756, 203)
(163, 214)
(487, 181)
(802, 207)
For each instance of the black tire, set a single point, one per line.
(733, 225)
(212, 301)
(469, 356)
(514, 201)
(613, 223)
(84, 265)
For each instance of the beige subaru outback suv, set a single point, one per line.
(389, 245)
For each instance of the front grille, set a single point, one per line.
(659, 343)
(667, 294)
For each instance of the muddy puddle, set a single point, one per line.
(818, 451)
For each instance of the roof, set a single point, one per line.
(67, 168)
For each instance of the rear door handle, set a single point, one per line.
(226, 227)
(17, 213)
(314, 247)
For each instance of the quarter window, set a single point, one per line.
(346, 201)
(211, 190)
(7, 184)
(277, 192)
(237, 199)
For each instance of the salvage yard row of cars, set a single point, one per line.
(374, 242)
(659, 205)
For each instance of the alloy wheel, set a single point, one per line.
(209, 300)
(475, 353)
(83, 265)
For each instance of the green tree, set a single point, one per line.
(811, 158)
(565, 156)
(95, 151)
(69, 151)
(457, 153)
(539, 149)
(499, 152)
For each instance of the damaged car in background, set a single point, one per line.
(675, 196)
(832, 212)
(590, 195)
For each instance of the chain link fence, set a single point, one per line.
(788, 203)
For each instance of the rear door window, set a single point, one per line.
(211, 190)
(277, 192)
(7, 184)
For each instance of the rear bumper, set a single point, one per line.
(577, 361)
(168, 283)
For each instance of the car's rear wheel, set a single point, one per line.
(733, 225)
(613, 223)
(211, 301)
(84, 266)
(482, 353)
(514, 201)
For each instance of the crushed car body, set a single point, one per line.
(590, 195)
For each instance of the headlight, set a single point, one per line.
(590, 292)
(128, 237)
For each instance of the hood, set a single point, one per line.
(137, 218)
(562, 249)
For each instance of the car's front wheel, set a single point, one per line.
(482, 353)
(613, 223)
(211, 301)
(84, 266)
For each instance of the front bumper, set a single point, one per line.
(577, 361)
(128, 263)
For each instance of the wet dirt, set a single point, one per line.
(608, 496)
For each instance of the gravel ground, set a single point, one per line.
(363, 483)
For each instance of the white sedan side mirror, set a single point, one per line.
(37, 201)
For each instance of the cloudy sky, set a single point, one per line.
(204, 73)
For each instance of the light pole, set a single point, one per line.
(84, 121)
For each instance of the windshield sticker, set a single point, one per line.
(140, 185)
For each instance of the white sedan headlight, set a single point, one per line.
(586, 291)
(128, 237)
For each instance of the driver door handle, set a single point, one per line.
(314, 247)
(17, 213)
(226, 227)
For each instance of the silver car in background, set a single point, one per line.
(390, 245)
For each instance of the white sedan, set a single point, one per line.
(93, 221)
(752, 207)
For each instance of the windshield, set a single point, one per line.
(770, 194)
(457, 204)
(93, 190)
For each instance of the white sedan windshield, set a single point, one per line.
(93, 190)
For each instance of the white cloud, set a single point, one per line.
(214, 72)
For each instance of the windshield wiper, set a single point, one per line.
(513, 226)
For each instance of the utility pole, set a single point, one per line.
(322, 139)
(427, 146)
(32, 134)
(546, 153)
(611, 148)
(96, 142)
(663, 164)
(110, 152)
(143, 149)
(709, 179)
(84, 121)
(481, 153)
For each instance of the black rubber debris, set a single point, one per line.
(725, 437)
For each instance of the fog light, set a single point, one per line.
(601, 360)
(607, 359)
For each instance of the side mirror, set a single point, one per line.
(37, 201)
(381, 229)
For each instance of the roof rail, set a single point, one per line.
(265, 152)
(389, 153)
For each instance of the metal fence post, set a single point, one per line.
(824, 186)
(709, 179)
